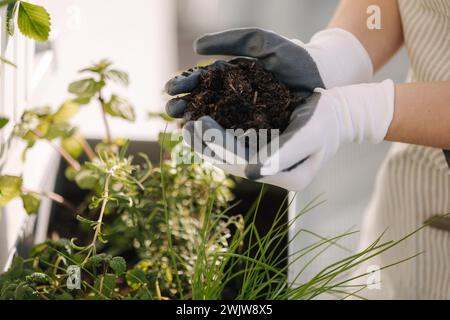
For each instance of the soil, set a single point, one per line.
(242, 95)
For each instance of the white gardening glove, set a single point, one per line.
(340, 57)
(357, 113)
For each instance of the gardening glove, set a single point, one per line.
(324, 62)
(357, 113)
(333, 57)
(329, 118)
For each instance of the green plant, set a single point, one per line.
(6, 61)
(54, 127)
(92, 87)
(129, 195)
(3, 122)
(154, 231)
(33, 21)
(104, 275)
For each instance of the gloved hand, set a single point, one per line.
(329, 118)
(333, 57)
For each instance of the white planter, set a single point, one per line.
(17, 90)
(18, 230)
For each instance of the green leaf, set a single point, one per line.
(135, 278)
(66, 111)
(10, 187)
(6, 61)
(168, 273)
(33, 21)
(56, 130)
(90, 223)
(70, 173)
(29, 145)
(98, 68)
(143, 294)
(38, 278)
(75, 246)
(98, 260)
(38, 249)
(119, 107)
(30, 137)
(10, 15)
(3, 122)
(31, 202)
(118, 76)
(72, 145)
(23, 292)
(82, 100)
(123, 150)
(162, 115)
(104, 148)
(40, 112)
(86, 179)
(118, 265)
(63, 296)
(166, 142)
(14, 272)
(6, 2)
(104, 285)
(7, 292)
(86, 88)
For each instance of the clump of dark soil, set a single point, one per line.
(242, 95)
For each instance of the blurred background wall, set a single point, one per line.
(139, 36)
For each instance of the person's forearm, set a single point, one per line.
(381, 44)
(422, 114)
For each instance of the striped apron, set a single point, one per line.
(413, 183)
